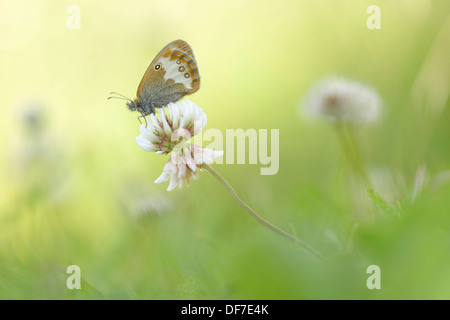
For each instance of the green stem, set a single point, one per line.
(351, 151)
(349, 247)
(258, 217)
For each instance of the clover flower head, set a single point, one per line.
(176, 123)
(184, 164)
(168, 133)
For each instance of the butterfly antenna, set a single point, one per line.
(120, 96)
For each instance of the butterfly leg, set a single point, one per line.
(145, 119)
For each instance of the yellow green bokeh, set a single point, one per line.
(77, 190)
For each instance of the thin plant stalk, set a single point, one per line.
(258, 217)
(353, 156)
(351, 151)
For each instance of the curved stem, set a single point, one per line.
(258, 217)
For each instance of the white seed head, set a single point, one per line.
(337, 99)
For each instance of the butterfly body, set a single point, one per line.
(171, 75)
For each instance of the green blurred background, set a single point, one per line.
(75, 189)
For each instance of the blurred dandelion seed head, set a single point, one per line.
(33, 120)
(33, 141)
(31, 116)
(338, 99)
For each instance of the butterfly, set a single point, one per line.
(171, 75)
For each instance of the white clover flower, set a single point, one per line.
(340, 100)
(168, 133)
(184, 164)
(178, 122)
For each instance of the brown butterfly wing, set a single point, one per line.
(171, 75)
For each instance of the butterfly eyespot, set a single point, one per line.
(186, 75)
(178, 61)
(181, 69)
(157, 67)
